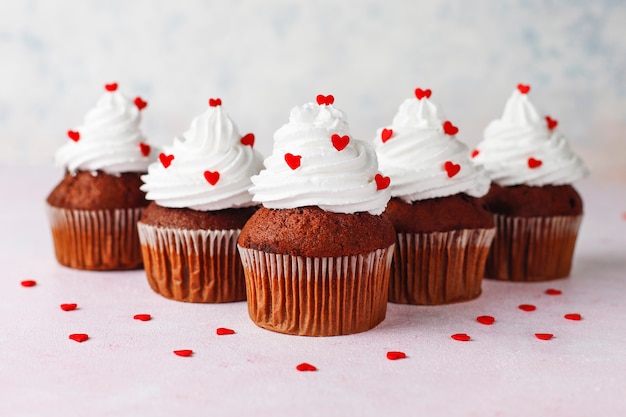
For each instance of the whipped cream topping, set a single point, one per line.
(109, 139)
(423, 158)
(209, 168)
(315, 162)
(522, 147)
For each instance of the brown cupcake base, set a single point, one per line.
(532, 248)
(200, 266)
(439, 267)
(310, 296)
(101, 240)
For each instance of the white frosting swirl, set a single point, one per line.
(340, 181)
(109, 140)
(415, 156)
(212, 144)
(522, 133)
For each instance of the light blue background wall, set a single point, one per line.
(264, 57)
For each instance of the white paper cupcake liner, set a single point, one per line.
(317, 296)
(96, 239)
(200, 266)
(439, 267)
(532, 248)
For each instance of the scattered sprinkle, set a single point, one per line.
(212, 177)
(451, 168)
(394, 356)
(340, 142)
(486, 320)
(420, 94)
(79, 337)
(523, 88)
(140, 103)
(293, 161)
(74, 135)
(573, 316)
(305, 367)
(29, 283)
(461, 337)
(553, 291)
(166, 160)
(449, 128)
(221, 331)
(248, 140)
(527, 307)
(386, 134)
(544, 336)
(382, 182)
(214, 102)
(183, 352)
(142, 317)
(110, 87)
(69, 307)
(552, 123)
(325, 100)
(144, 148)
(534, 163)
(475, 153)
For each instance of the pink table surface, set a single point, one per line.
(127, 367)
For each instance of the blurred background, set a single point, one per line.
(264, 57)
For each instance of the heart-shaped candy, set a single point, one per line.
(110, 87)
(68, 307)
(142, 317)
(552, 123)
(523, 88)
(420, 94)
(140, 103)
(221, 331)
(166, 160)
(534, 163)
(340, 142)
(461, 337)
(394, 356)
(386, 134)
(214, 102)
(293, 160)
(145, 149)
(449, 128)
(451, 168)
(248, 140)
(74, 135)
(79, 337)
(183, 352)
(212, 177)
(304, 367)
(486, 320)
(382, 182)
(325, 100)
(544, 336)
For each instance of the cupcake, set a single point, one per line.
(537, 210)
(199, 203)
(443, 229)
(94, 210)
(316, 256)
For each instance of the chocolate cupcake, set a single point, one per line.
(316, 256)
(200, 202)
(443, 228)
(94, 210)
(537, 210)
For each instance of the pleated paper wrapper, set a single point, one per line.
(199, 266)
(439, 267)
(310, 296)
(96, 239)
(532, 248)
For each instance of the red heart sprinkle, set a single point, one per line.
(183, 352)
(527, 307)
(142, 317)
(303, 367)
(420, 94)
(325, 100)
(382, 182)
(74, 135)
(451, 168)
(212, 177)
(166, 160)
(29, 283)
(248, 140)
(214, 102)
(534, 163)
(394, 356)
(475, 153)
(449, 128)
(486, 320)
(340, 142)
(552, 123)
(110, 87)
(553, 291)
(221, 331)
(145, 148)
(461, 337)
(544, 336)
(524, 89)
(79, 337)
(140, 103)
(69, 307)
(386, 134)
(293, 160)
(573, 316)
